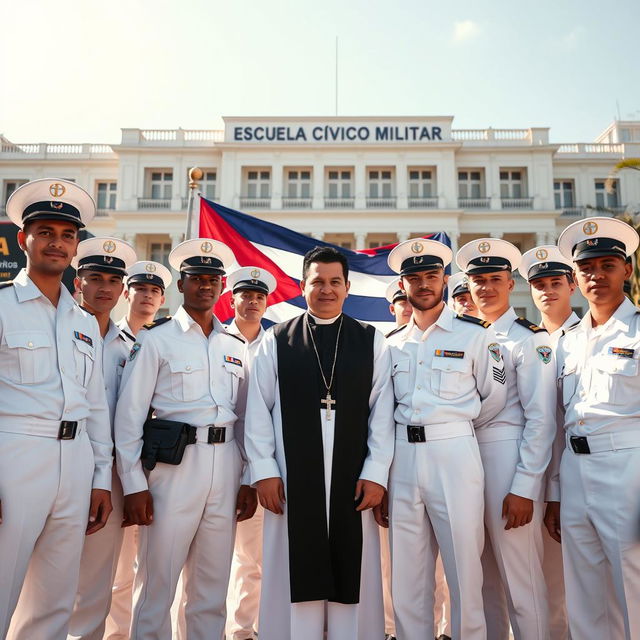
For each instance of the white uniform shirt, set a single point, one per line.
(51, 367)
(452, 372)
(531, 398)
(185, 376)
(117, 347)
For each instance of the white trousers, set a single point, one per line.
(514, 586)
(436, 500)
(97, 572)
(45, 488)
(192, 531)
(600, 517)
(243, 597)
(119, 618)
(554, 579)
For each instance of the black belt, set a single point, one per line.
(579, 444)
(415, 433)
(216, 435)
(67, 430)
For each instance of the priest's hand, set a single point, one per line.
(552, 520)
(517, 510)
(369, 493)
(138, 508)
(246, 503)
(381, 512)
(271, 494)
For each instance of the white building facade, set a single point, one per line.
(358, 182)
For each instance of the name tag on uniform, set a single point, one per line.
(444, 353)
(232, 360)
(621, 352)
(80, 336)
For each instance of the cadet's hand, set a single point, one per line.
(138, 508)
(371, 492)
(271, 494)
(99, 510)
(246, 503)
(552, 520)
(381, 512)
(517, 510)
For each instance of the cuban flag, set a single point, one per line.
(280, 250)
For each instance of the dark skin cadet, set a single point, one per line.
(200, 292)
(50, 245)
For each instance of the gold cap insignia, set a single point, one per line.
(56, 189)
(255, 273)
(206, 247)
(542, 254)
(483, 247)
(150, 267)
(109, 246)
(590, 228)
(417, 247)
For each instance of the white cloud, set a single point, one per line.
(465, 30)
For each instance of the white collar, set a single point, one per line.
(323, 320)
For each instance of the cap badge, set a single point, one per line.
(590, 228)
(150, 267)
(416, 247)
(484, 260)
(148, 276)
(109, 246)
(56, 205)
(592, 243)
(56, 189)
(483, 247)
(204, 260)
(107, 259)
(418, 259)
(255, 273)
(206, 247)
(542, 254)
(543, 266)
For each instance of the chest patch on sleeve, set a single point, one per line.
(544, 353)
(621, 352)
(81, 336)
(446, 353)
(232, 360)
(494, 350)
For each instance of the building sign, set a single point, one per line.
(338, 131)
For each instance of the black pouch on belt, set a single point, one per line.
(165, 441)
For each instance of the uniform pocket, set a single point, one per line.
(400, 372)
(236, 375)
(29, 356)
(614, 379)
(84, 356)
(188, 382)
(568, 383)
(447, 376)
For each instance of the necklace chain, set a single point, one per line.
(335, 355)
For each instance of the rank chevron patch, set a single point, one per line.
(499, 375)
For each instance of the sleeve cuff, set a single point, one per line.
(553, 491)
(262, 469)
(375, 472)
(134, 481)
(246, 475)
(102, 477)
(526, 487)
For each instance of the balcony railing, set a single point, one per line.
(104, 212)
(339, 203)
(473, 203)
(296, 203)
(46, 150)
(154, 204)
(255, 203)
(589, 211)
(423, 203)
(516, 203)
(592, 147)
(381, 203)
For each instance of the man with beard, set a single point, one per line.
(319, 436)
(599, 505)
(188, 369)
(515, 448)
(550, 278)
(448, 377)
(460, 299)
(55, 439)
(101, 264)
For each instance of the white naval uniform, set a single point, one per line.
(50, 370)
(119, 617)
(243, 597)
(102, 549)
(552, 562)
(600, 492)
(446, 378)
(516, 449)
(279, 618)
(187, 377)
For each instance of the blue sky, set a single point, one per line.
(78, 71)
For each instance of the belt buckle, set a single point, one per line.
(67, 430)
(216, 435)
(415, 433)
(579, 444)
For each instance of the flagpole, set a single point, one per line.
(195, 174)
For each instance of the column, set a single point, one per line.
(402, 183)
(496, 234)
(318, 184)
(541, 238)
(277, 171)
(402, 236)
(492, 182)
(360, 240)
(453, 237)
(360, 183)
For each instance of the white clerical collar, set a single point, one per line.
(323, 320)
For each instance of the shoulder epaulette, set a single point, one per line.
(523, 322)
(232, 335)
(125, 334)
(8, 283)
(485, 324)
(157, 323)
(396, 330)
